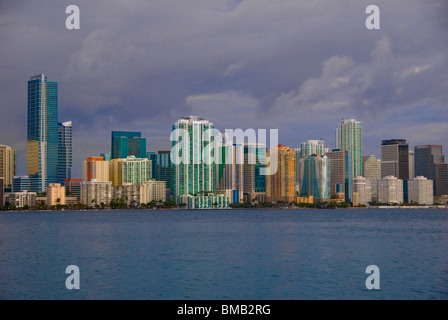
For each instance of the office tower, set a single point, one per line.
(349, 138)
(95, 168)
(95, 192)
(441, 179)
(21, 183)
(254, 184)
(371, 167)
(230, 172)
(2, 192)
(126, 144)
(130, 170)
(42, 132)
(196, 176)
(362, 187)
(7, 165)
(161, 168)
(411, 164)
(153, 190)
(390, 190)
(106, 156)
(55, 194)
(73, 187)
(420, 190)
(315, 177)
(280, 186)
(64, 151)
(429, 163)
(341, 176)
(395, 158)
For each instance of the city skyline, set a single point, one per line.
(299, 67)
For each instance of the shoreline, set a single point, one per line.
(251, 209)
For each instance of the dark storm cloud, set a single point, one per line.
(295, 65)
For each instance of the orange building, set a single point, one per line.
(281, 185)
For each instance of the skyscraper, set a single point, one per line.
(161, 168)
(308, 148)
(195, 176)
(430, 163)
(395, 158)
(126, 144)
(421, 190)
(230, 172)
(372, 171)
(315, 177)
(281, 185)
(42, 132)
(254, 161)
(7, 165)
(363, 189)
(349, 138)
(341, 176)
(49, 143)
(390, 190)
(64, 151)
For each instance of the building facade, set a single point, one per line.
(64, 151)
(125, 143)
(372, 171)
(130, 170)
(341, 175)
(153, 190)
(95, 168)
(349, 138)
(192, 176)
(315, 177)
(281, 185)
(395, 158)
(95, 192)
(362, 187)
(55, 194)
(420, 190)
(430, 163)
(21, 199)
(390, 190)
(7, 165)
(162, 168)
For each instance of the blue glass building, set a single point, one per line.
(42, 132)
(65, 151)
(126, 144)
(161, 168)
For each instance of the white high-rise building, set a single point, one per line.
(371, 167)
(390, 190)
(362, 187)
(420, 190)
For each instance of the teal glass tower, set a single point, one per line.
(126, 144)
(195, 177)
(42, 132)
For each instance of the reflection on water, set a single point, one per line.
(231, 254)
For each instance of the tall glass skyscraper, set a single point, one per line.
(126, 144)
(195, 177)
(42, 132)
(161, 168)
(349, 138)
(64, 151)
(315, 177)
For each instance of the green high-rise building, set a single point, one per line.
(196, 177)
(349, 138)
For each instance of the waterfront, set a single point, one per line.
(225, 254)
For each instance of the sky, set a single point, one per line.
(297, 66)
